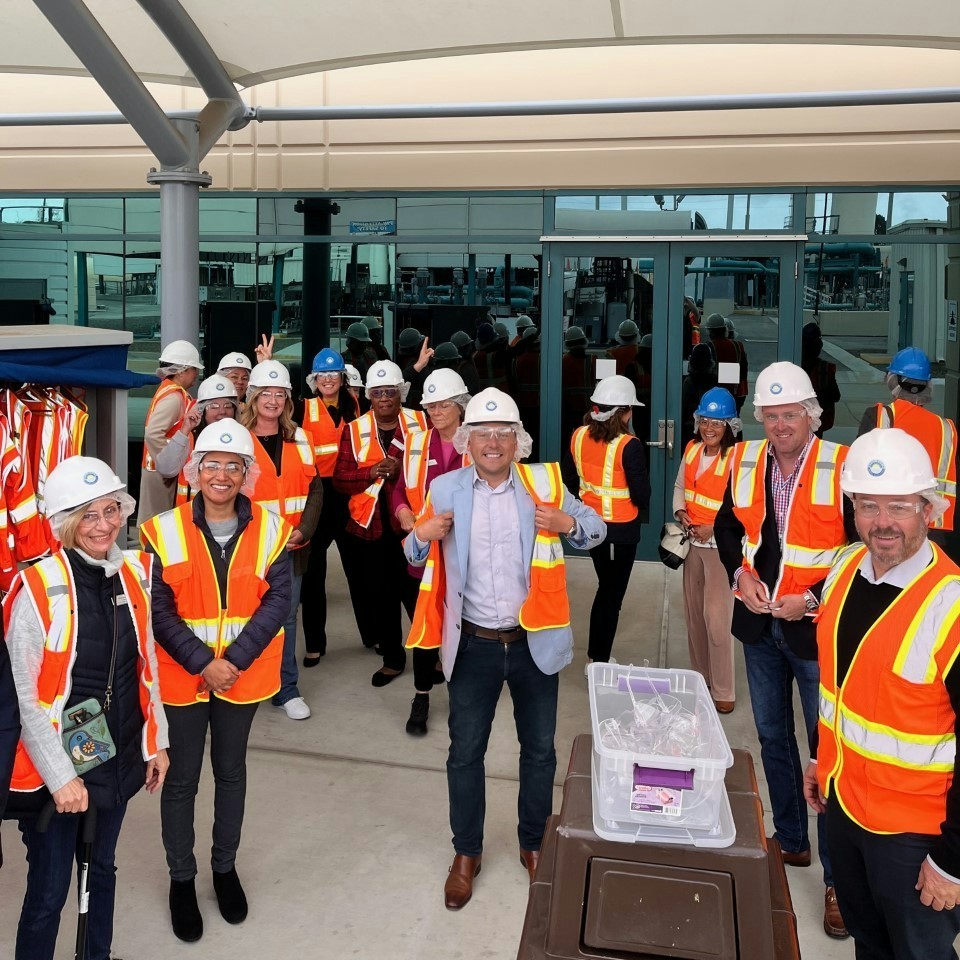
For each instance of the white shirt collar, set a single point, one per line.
(477, 480)
(902, 573)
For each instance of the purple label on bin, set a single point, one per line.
(658, 777)
(643, 685)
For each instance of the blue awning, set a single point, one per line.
(103, 366)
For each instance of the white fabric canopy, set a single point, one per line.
(258, 41)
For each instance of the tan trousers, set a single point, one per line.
(708, 607)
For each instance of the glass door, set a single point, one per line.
(677, 318)
(607, 312)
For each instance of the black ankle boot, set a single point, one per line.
(230, 896)
(184, 912)
(419, 710)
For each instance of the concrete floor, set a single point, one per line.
(346, 842)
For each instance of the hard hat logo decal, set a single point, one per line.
(220, 387)
(776, 388)
(876, 468)
(226, 438)
(273, 374)
(239, 359)
(432, 388)
(491, 404)
(90, 478)
(381, 373)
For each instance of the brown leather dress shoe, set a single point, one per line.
(833, 925)
(530, 859)
(458, 889)
(724, 706)
(801, 859)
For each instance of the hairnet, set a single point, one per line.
(602, 416)
(814, 412)
(126, 502)
(921, 398)
(524, 440)
(191, 470)
(172, 369)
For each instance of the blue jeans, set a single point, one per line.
(289, 672)
(771, 669)
(50, 861)
(480, 670)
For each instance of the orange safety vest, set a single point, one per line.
(51, 589)
(939, 438)
(285, 494)
(184, 493)
(416, 462)
(325, 434)
(603, 482)
(813, 534)
(165, 388)
(703, 495)
(31, 532)
(365, 442)
(190, 573)
(886, 734)
(546, 607)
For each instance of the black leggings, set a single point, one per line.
(614, 564)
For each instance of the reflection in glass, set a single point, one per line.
(870, 212)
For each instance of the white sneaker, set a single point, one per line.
(296, 709)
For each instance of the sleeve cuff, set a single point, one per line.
(942, 872)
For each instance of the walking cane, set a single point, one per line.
(88, 830)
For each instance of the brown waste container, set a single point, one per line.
(595, 898)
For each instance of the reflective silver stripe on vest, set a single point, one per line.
(935, 622)
(827, 707)
(796, 556)
(745, 479)
(824, 475)
(172, 544)
(945, 487)
(893, 746)
(416, 448)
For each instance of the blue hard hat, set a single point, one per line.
(717, 404)
(328, 361)
(912, 363)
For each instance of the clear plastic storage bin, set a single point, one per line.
(660, 753)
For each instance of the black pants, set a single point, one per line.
(313, 594)
(229, 731)
(425, 669)
(388, 590)
(614, 564)
(875, 875)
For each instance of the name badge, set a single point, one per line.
(120, 600)
(431, 463)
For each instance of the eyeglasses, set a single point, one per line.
(384, 393)
(111, 514)
(329, 377)
(215, 466)
(709, 422)
(895, 511)
(439, 405)
(273, 394)
(485, 433)
(220, 405)
(771, 419)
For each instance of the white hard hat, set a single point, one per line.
(79, 480)
(225, 436)
(353, 376)
(492, 406)
(616, 391)
(216, 387)
(887, 463)
(181, 352)
(781, 383)
(442, 384)
(270, 373)
(384, 373)
(234, 360)
(523, 321)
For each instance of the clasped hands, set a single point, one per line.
(756, 597)
(218, 676)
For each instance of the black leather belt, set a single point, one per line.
(501, 636)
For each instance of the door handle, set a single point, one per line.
(670, 429)
(661, 440)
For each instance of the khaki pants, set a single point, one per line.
(708, 607)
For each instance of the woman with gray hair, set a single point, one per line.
(427, 456)
(78, 625)
(179, 368)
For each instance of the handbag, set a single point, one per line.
(86, 736)
(674, 545)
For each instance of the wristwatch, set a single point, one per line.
(572, 531)
(811, 601)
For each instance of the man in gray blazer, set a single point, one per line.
(488, 523)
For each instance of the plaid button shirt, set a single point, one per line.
(782, 487)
